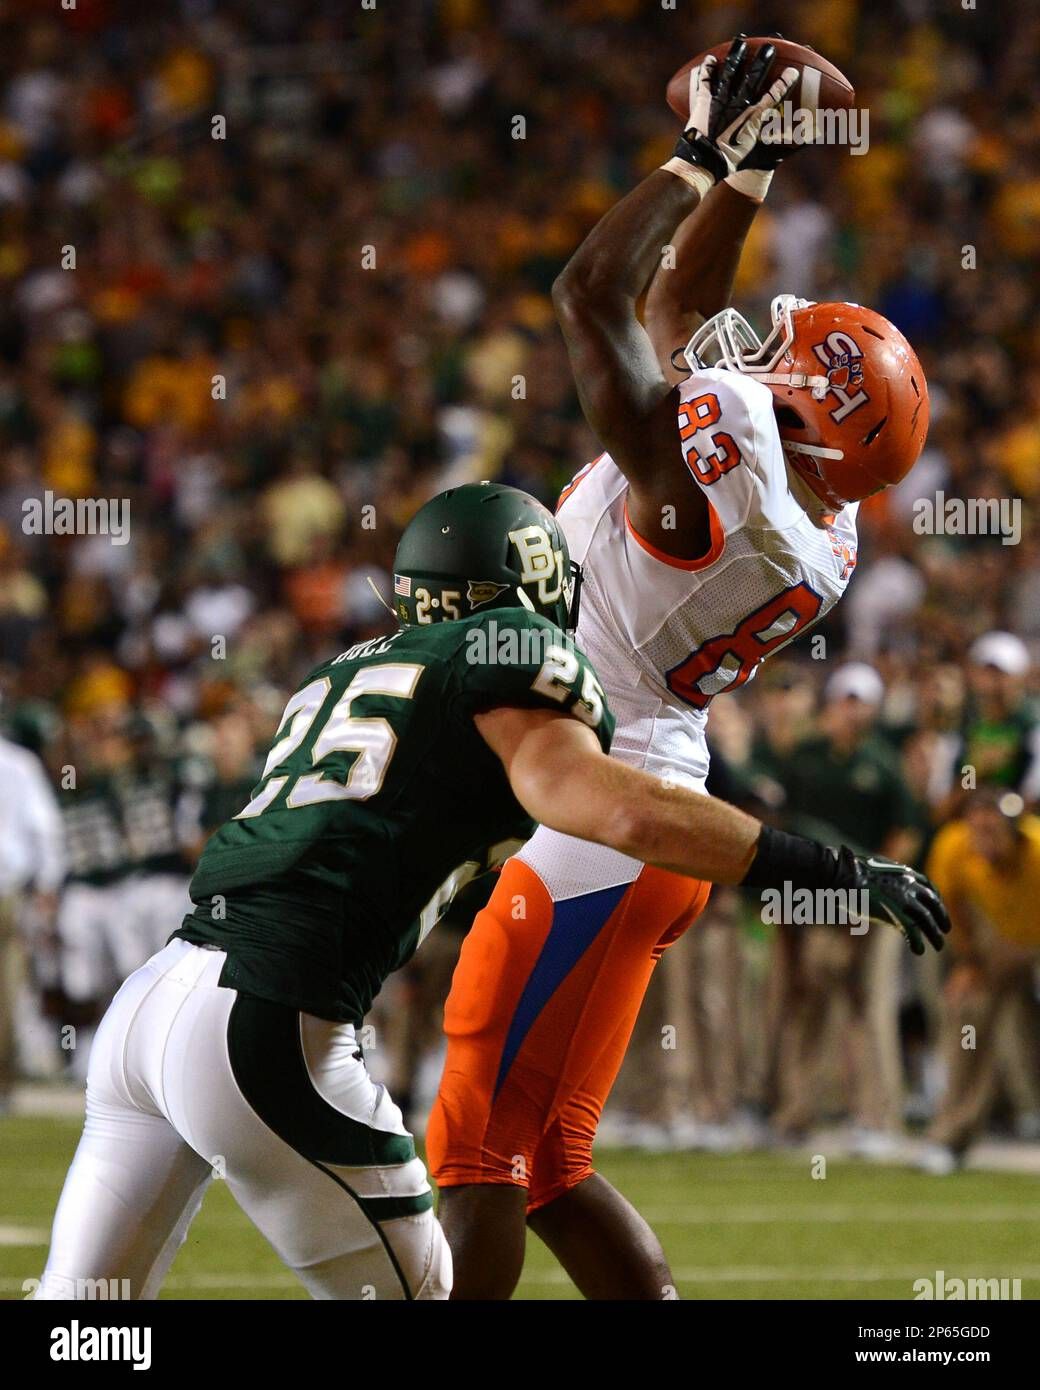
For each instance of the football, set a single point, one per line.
(820, 86)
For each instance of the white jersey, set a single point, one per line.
(667, 635)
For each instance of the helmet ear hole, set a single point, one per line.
(871, 435)
(788, 418)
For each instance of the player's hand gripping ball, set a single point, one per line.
(728, 107)
(818, 86)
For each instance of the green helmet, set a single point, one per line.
(484, 546)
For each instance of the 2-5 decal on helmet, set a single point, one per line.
(483, 546)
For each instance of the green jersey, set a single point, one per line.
(860, 797)
(95, 843)
(149, 799)
(378, 801)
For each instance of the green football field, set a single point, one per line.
(757, 1226)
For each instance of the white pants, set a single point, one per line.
(100, 941)
(189, 1081)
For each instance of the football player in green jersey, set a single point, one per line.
(402, 768)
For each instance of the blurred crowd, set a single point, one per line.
(272, 275)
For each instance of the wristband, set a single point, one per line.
(693, 174)
(752, 183)
(781, 858)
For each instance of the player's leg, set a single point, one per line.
(537, 997)
(485, 1227)
(160, 903)
(86, 972)
(603, 1243)
(481, 1159)
(597, 1235)
(607, 1248)
(562, 1074)
(134, 1184)
(314, 1152)
(11, 971)
(141, 925)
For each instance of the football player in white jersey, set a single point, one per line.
(718, 525)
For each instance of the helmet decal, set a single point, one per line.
(480, 591)
(483, 546)
(843, 359)
(540, 563)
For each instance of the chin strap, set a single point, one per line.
(819, 385)
(816, 451)
(379, 596)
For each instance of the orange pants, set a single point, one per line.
(541, 1008)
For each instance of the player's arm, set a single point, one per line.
(563, 779)
(698, 281)
(623, 391)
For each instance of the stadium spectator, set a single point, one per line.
(844, 785)
(32, 866)
(1002, 729)
(987, 866)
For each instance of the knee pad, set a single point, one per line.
(421, 1250)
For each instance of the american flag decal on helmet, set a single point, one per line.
(403, 585)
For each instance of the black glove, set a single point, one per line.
(895, 893)
(727, 111)
(898, 895)
(768, 155)
(731, 97)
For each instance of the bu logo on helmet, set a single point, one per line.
(842, 357)
(540, 563)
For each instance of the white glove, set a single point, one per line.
(705, 154)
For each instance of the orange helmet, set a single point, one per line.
(850, 397)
